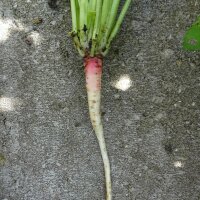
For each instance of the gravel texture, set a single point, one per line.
(48, 150)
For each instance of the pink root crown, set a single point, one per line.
(93, 71)
(93, 65)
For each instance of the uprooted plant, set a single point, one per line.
(94, 25)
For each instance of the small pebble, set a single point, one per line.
(29, 40)
(179, 90)
(158, 99)
(116, 96)
(15, 5)
(136, 117)
(60, 17)
(192, 65)
(140, 56)
(128, 122)
(43, 166)
(70, 72)
(53, 23)
(159, 116)
(167, 53)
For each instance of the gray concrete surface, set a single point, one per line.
(48, 149)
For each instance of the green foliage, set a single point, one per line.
(95, 23)
(191, 39)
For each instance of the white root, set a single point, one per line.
(95, 116)
(93, 72)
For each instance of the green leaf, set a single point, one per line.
(191, 40)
